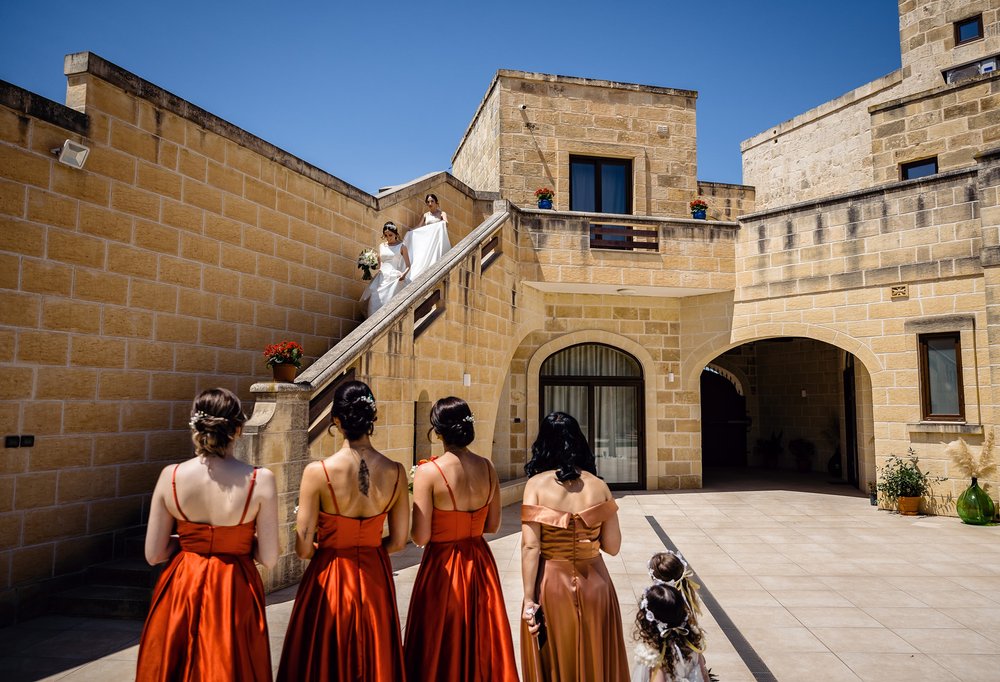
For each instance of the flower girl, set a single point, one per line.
(666, 625)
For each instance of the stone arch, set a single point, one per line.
(650, 373)
(695, 362)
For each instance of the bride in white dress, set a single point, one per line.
(394, 264)
(428, 241)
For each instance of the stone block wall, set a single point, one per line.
(825, 270)
(477, 162)
(824, 151)
(927, 38)
(544, 119)
(163, 267)
(952, 123)
(726, 201)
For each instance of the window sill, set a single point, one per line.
(945, 427)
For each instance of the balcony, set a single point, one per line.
(602, 253)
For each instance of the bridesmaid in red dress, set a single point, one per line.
(344, 624)
(207, 620)
(457, 627)
(571, 629)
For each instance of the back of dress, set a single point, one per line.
(578, 601)
(207, 618)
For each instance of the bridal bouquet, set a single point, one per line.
(367, 261)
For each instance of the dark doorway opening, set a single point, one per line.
(723, 422)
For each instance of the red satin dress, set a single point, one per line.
(344, 624)
(207, 619)
(457, 628)
(584, 641)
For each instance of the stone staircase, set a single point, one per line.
(120, 588)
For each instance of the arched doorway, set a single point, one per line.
(602, 387)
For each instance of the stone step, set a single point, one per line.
(127, 572)
(103, 601)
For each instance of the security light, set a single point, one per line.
(72, 154)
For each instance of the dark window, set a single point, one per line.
(600, 185)
(969, 29)
(918, 169)
(941, 377)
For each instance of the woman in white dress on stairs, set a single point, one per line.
(428, 241)
(394, 264)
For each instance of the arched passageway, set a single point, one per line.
(782, 405)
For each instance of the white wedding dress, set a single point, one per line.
(426, 245)
(386, 283)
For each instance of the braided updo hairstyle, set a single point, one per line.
(667, 606)
(354, 407)
(560, 445)
(215, 416)
(452, 419)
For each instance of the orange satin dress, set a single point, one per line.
(457, 628)
(207, 621)
(583, 623)
(344, 624)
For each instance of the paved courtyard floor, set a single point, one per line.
(806, 581)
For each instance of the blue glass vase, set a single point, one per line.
(544, 203)
(975, 506)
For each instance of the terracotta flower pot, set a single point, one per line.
(908, 506)
(284, 372)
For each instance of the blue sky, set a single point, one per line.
(380, 93)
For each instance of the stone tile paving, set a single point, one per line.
(822, 586)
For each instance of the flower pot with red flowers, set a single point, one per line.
(544, 197)
(284, 359)
(698, 209)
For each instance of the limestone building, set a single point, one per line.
(842, 303)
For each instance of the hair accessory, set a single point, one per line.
(470, 418)
(196, 417)
(367, 399)
(661, 627)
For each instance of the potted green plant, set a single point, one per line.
(283, 359)
(903, 483)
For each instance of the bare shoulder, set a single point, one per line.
(597, 484)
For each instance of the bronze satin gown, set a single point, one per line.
(207, 621)
(457, 628)
(579, 604)
(344, 624)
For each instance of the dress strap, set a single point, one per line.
(173, 484)
(330, 486)
(454, 504)
(393, 496)
(246, 506)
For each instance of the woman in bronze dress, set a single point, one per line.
(571, 627)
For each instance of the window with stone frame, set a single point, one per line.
(918, 169)
(968, 30)
(941, 394)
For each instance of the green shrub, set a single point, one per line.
(903, 478)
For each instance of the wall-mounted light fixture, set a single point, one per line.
(72, 154)
(467, 379)
(804, 394)
(670, 377)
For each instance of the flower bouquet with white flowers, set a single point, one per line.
(367, 261)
